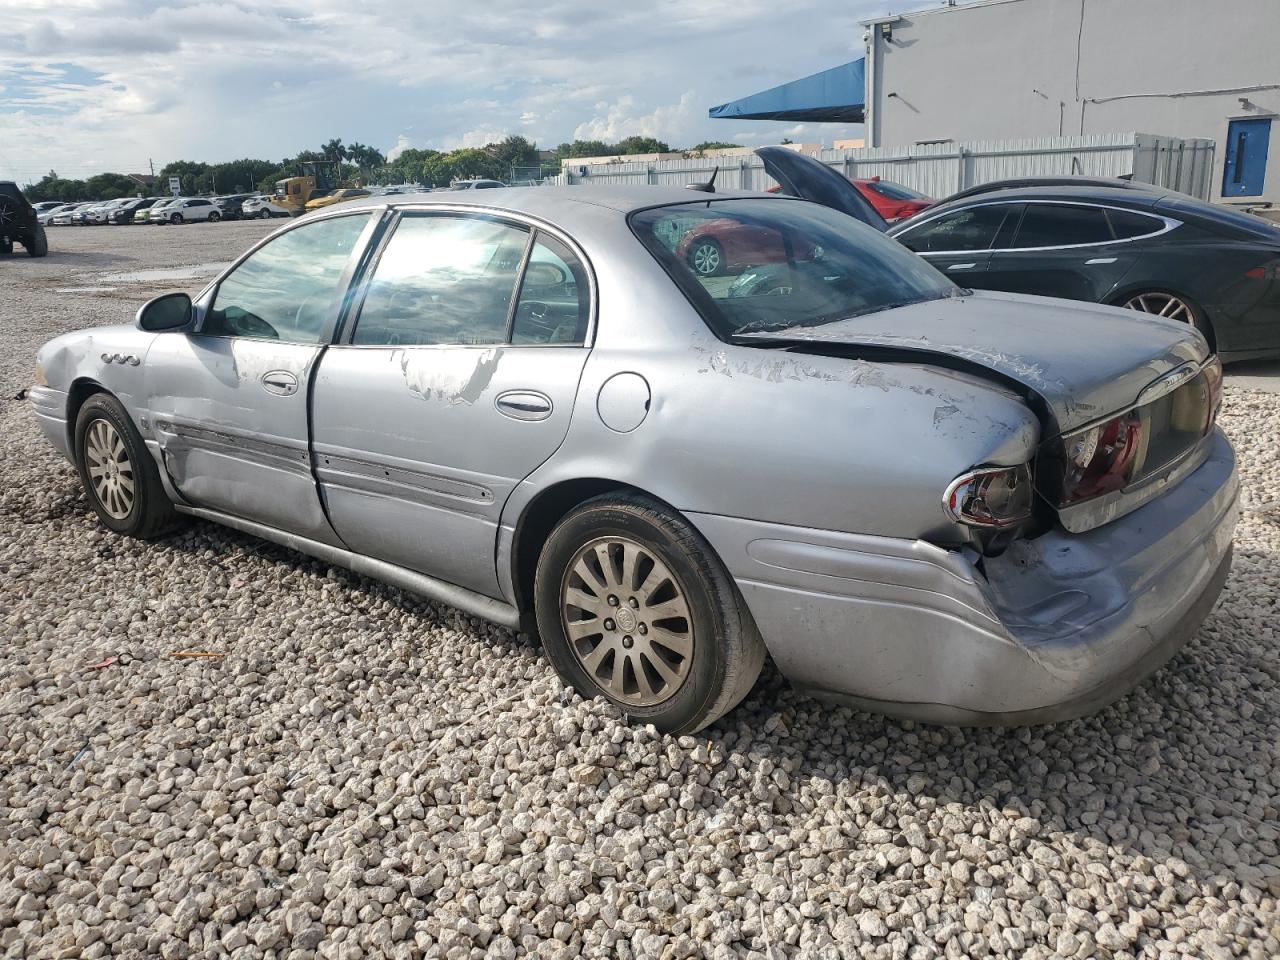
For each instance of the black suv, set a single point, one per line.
(230, 205)
(18, 222)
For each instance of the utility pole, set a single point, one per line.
(152, 164)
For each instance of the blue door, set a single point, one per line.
(1246, 162)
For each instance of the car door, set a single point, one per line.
(958, 242)
(1078, 251)
(455, 379)
(228, 403)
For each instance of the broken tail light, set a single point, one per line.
(1101, 458)
(992, 497)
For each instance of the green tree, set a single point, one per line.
(633, 145)
(334, 150)
(711, 145)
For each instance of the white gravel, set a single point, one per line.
(363, 774)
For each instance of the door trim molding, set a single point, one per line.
(468, 601)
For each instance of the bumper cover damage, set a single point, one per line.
(1058, 626)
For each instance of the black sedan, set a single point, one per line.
(1146, 249)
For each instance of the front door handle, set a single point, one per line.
(524, 405)
(280, 382)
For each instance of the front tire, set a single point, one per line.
(175, 218)
(119, 475)
(633, 605)
(264, 214)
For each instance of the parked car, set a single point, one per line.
(186, 210)
(950, 505)
(127, 212)
(262, 207)
(1145, 248)
(715, 247)
(156, 210)
(19, 222)
(892, 200)
(81, 216)
(100, 214)
(336, 196)
(46, 218)
(480, 184)
(45, 205)
(66, 216)
(230, 206)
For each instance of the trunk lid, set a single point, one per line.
(1083, 361)
(802, 176)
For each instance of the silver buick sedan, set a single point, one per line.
(551, 409)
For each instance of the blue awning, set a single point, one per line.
(837, 95)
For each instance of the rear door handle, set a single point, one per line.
(1089, 263)
(280, 382)
(524, 405)
(961, 266)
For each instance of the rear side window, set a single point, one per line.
(972, 229)
(1062, 225)
(443, 280)
(554, 303)
(1126, 224)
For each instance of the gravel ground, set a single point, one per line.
(360, 773)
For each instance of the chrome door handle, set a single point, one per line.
(280, 382)
(961, 266)
(1089, 263)
(524, 405)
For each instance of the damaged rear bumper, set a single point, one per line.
(1058, 626)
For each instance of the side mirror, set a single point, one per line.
(172, 311)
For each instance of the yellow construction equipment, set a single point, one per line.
(319, 178)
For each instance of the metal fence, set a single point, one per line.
(940, 169)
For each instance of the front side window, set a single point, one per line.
(974, 228)
(443, 280)
(288, 289)
(759, 266)
(1061, 225)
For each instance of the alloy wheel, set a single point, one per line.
(1162, 305)
(706, 259)
(627, 621)
(110, 469)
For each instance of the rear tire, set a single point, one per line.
(37, 244)
(1171, 306)
(706, 258)
(658, 627)
(119, 475)
(215, 217)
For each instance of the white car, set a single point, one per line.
(101, 213)
(186, 209)
(262, 207)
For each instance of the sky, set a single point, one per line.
(88, 86)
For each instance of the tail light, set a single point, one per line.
(991, 497)
(1213, 380)
(1101, 458)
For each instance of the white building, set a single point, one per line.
(1021, 69)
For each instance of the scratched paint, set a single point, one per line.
(450, 375)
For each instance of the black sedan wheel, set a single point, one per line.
(633, 605)
(1170, 306)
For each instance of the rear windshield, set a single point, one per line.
(895, 191)
(758, 266)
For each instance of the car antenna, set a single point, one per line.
(709, 186)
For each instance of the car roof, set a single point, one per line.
(561, 204)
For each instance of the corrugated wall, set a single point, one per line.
(941, 169)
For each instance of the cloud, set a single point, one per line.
(403, 143)
(624, 119)
(88, 84)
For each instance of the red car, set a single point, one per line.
(730, 246)
(892, 200)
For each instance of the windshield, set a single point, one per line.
(895, 191)
(760, 266)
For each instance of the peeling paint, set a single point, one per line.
(447, 375)
(942, 413)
